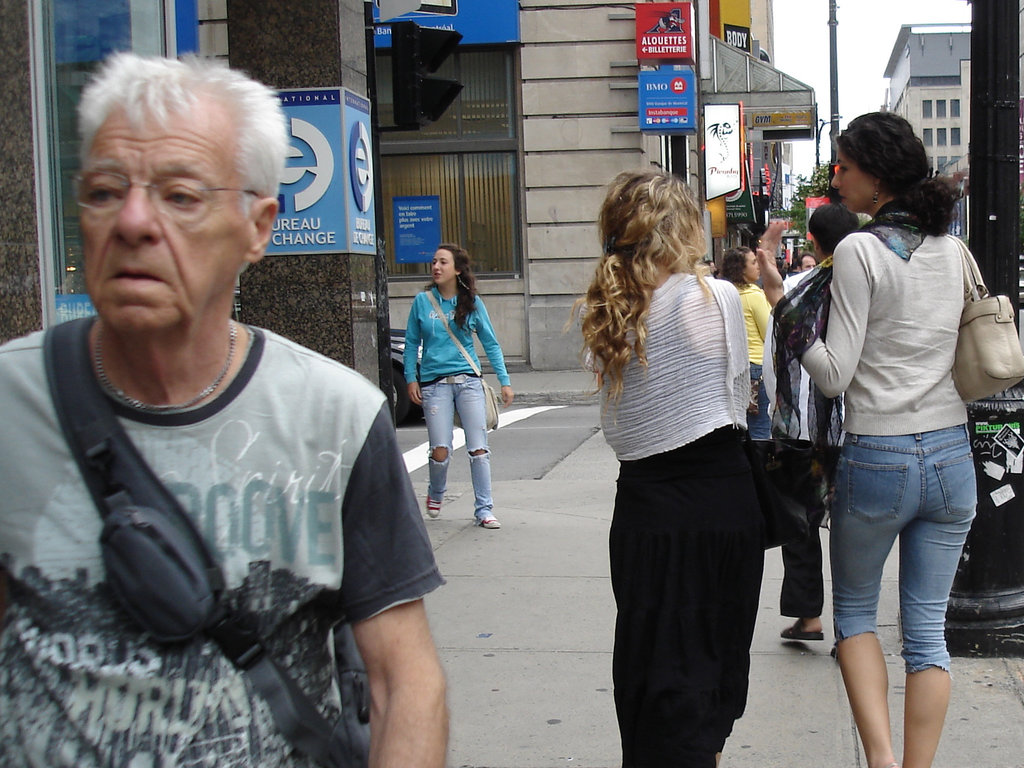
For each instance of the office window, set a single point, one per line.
(927, 137)
(954, 107)
(926, 108)
(940, 137)
(940, 165)
(468, 160)
(940, 108)
(954, 137)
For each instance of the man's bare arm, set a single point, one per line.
(408, 711)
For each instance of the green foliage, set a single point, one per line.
(816, 186)
(1020, 234)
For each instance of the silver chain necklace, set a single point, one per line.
(119, 394)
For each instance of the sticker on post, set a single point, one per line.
(1010, 440)
(1002, 495)
(993, 470)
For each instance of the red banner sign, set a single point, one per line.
(664, 31)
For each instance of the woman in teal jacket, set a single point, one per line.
(447, 381)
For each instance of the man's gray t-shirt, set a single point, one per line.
(294, 477)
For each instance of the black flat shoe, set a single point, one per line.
(794, 632)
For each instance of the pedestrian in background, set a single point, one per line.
(443, 318)
(686, 540)
(806, 262)
(741, 267)
(803, 589)
(906, 469)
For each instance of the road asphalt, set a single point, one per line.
(524, 629)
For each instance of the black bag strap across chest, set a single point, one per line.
(120, 479)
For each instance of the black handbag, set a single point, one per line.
(792, 478)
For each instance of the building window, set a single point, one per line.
(468, 160)
(927, 137)
(941, 164)
(940, 137)
(954, 107)
(926, 108)
(954, 137)
(940, 107)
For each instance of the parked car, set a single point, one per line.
(405, 409)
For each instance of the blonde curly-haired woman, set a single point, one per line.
(670, 351)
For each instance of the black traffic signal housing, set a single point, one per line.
(417, 52)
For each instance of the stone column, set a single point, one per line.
(20, 290)
(324, 301)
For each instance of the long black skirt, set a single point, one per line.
(687, 557)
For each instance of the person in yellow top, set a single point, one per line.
(740, 266)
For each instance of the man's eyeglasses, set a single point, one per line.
(186, 201)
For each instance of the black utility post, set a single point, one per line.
(986, 607)
(380, 270)
(833, 76)
(833, 97)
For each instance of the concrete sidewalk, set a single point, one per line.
(524, 628)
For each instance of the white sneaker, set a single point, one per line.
(488, 522)
(433, 507)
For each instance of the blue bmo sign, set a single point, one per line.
(667, 100)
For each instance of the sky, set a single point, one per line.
(866, 34)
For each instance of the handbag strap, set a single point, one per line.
(974, 284)
(462, 349)
(116, 474)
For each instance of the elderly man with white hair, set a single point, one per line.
(285, 461)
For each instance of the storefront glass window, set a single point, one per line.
(81, 33)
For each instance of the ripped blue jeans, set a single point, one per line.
(920, 488)
(440, 399)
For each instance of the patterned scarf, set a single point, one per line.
(800, 318)
(900, 231)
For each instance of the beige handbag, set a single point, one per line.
(490, 398)
(988, 352)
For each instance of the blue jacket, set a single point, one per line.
(440, 355)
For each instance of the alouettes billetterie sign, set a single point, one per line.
(664, 31)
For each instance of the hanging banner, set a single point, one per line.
(665, 31)
(722, 149)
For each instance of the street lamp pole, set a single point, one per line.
(833, 64)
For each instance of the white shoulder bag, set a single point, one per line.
(988, 354)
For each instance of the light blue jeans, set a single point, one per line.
(922, 489)
(466, 393)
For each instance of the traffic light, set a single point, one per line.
(416, 52)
